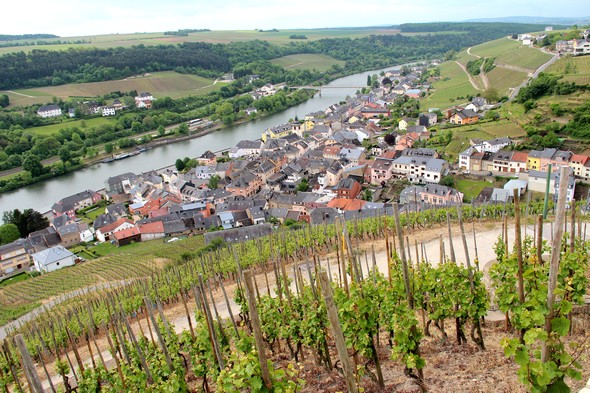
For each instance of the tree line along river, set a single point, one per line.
(41, 196)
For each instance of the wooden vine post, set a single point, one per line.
(28, 366)
(555, 254)
(257, 330)
(338, 335)
(402, 254)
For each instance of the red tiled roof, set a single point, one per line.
(115, 225)
(152, 227)
(125, 233)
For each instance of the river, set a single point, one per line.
(41, 196)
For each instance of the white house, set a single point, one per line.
(49, 111)
(108, 111)
(53, 259)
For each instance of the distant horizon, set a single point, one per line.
(62, 18)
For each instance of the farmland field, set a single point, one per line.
(217, 36)
(307, 61)
(511, 52)
(160, 84)
(451, 89)
(574, 69)
(503, 78)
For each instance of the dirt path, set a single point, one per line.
(20, 94)
(471, 80)
(486, 235)
(471, 54)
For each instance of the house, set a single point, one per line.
(250, 111)
(477, 104)
(518, 162)
(405, 122)
(127, 236)
(537, 181)
(245, 148)
(581, 47)
(381, 170)
(120, 184)
(118, 105)
(46, 111)
(72, 112)
(348, 188)
(413, 93)
(108, 111)
(276, 132)
(52, 259)
(435, 194)
(501, 161)
(246, 185)
(427, 119)
(518, 184)
(13, 256)
(411, 195)
(105, 233)
(69, 235)
(465, 116)
(581, 166)
(69, 205)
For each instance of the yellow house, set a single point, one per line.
(533, 161)
(277, 132)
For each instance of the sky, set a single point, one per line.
(69, 18)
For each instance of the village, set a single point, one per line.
(337, 163)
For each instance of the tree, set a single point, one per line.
(368, 195)
(447, 181)
(32, 164)
(4, 101)
(491, 94)
(108, 148)
(8, 233)
(214, 181)
(389, 139)
(179, 165)
(183, 128)
(369, 81)
(28, 221)
(161, 131)
(303, 185)
(65, 154)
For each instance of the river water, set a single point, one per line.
(41, 196)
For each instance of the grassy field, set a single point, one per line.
(81, 124)
(463, 57)
(503, 78)
(471, 188)
(511, 52)
(160, 84)
(451, 89)
(573, 69)
(217, 36)
(307, 61)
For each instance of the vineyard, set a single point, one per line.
(304, 325)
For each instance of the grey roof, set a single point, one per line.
(499, 141)
(438, 189)
(51, 255)
(46, 108)
(68, 229)
(411, 194)
(60, 221)
(246, 144)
